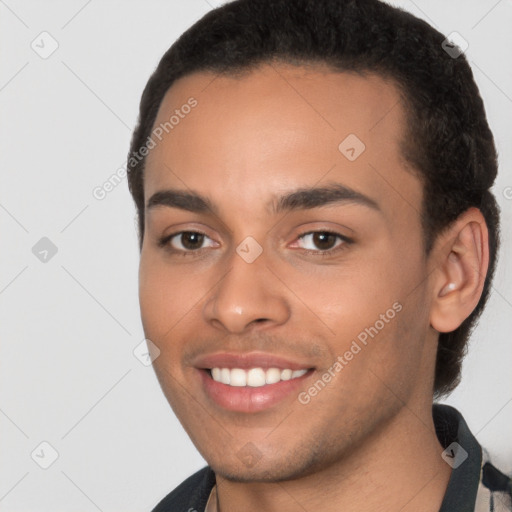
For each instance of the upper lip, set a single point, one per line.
(247, 360)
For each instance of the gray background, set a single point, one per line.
(69, 325)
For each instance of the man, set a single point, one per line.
(317, 240)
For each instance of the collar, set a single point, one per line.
(463, 453)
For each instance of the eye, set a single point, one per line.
(185, 241)
(323, 241)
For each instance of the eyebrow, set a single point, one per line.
(299, 199)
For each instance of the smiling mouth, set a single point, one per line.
(254, 377)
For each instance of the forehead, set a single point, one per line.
(277, 125)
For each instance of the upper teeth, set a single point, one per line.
(255, 377)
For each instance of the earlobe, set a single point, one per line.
(462, 255)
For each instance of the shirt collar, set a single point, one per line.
(463, 453)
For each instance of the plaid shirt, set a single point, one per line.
(494, 489)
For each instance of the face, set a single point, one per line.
(288, 294)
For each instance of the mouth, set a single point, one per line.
(252, 382)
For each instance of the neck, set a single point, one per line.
(398, 468)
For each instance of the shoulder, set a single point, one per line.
(494, 489)
(475, 479)
(191, 495)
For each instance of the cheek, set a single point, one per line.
(160, 289)
(395, 333)
(380, 306)
(351, 297)
(158, 297)
(160, 313)
(170, 298)
(152, 299)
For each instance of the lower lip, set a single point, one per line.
(247, 398)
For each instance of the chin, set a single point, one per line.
(252, 475)
(269, 470)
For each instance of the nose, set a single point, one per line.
(247, 295)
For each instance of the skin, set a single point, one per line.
(367, 440)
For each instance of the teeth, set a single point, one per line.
(216, 374)
(255, 377)
(225, 376)
(286, 375)
(272, 375)
(238, 377)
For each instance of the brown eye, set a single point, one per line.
(324, 241)
(321, 240)
(190, 240)
(185, 242)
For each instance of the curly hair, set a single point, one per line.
(448, 142)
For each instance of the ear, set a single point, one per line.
(461, 259)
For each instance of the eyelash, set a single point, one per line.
(164, 243)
